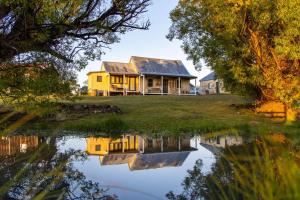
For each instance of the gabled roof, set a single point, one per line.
(159, 160)
(213, 149)
(118, 68)
(155, 66)
(116, 159)
(209, 77)
(148, 66)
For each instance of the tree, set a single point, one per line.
(21, 85)
(46, 173)
(63, 34)
(73, 31)
(256, 170)
(253, 45)
(84, 90)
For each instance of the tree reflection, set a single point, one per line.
(263, 169)
(44, 173)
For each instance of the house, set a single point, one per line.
(217, 143)
(222, 141)
(210, 84)
(140, 152)
(140, 76)
(135, 144)
(103, 145)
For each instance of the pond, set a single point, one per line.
(131, 166)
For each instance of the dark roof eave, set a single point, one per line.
(93, 72)
(123, 73)
(172, 75)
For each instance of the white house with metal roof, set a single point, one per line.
(140, 76)
(210, 84)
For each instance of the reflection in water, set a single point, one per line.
(141, 167)
(222, 141)
(129, 166)
(140, 152)
(16, 144)
(32, 167)
(217, 143)
(266, 168)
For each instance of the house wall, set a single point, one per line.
(106, 86)
(164, 144)
(172, 85)
(93, 85)
(222, 141)
(111, 145)
(210, 87)
(136, 83)
(125, 86)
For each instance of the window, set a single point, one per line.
(218, 140)
(98, 147)
(150, 82)
(116, 79)
(178, 84)
(99, 78)
(210, 85)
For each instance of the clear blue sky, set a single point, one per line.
(149, 43)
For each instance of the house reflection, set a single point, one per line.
(17, 144)
(217, 143)
(102, 146)
(140, 152)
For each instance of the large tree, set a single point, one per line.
(71, 30)
(59, 34)
(253, 45)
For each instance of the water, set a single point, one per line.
(133, 166)
(128, 167)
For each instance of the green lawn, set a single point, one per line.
(174, 114)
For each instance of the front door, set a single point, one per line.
(166, 86)
(217, 87)
(132, 83)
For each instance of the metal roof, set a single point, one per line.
(212, 149)
(163, 67)
(158, 160)
(118, 68)
(148, 66)
(209, 77)
(116, 159)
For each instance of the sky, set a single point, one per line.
(147, 43)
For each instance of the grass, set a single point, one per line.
(174, 114)
(266, 168)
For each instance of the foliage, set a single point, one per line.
(266, 170)
(32, 84)
(46, 173)
(73, 31)
(64, 34)
(84, 90)
(253, 45)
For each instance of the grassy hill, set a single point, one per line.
(175, 114)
